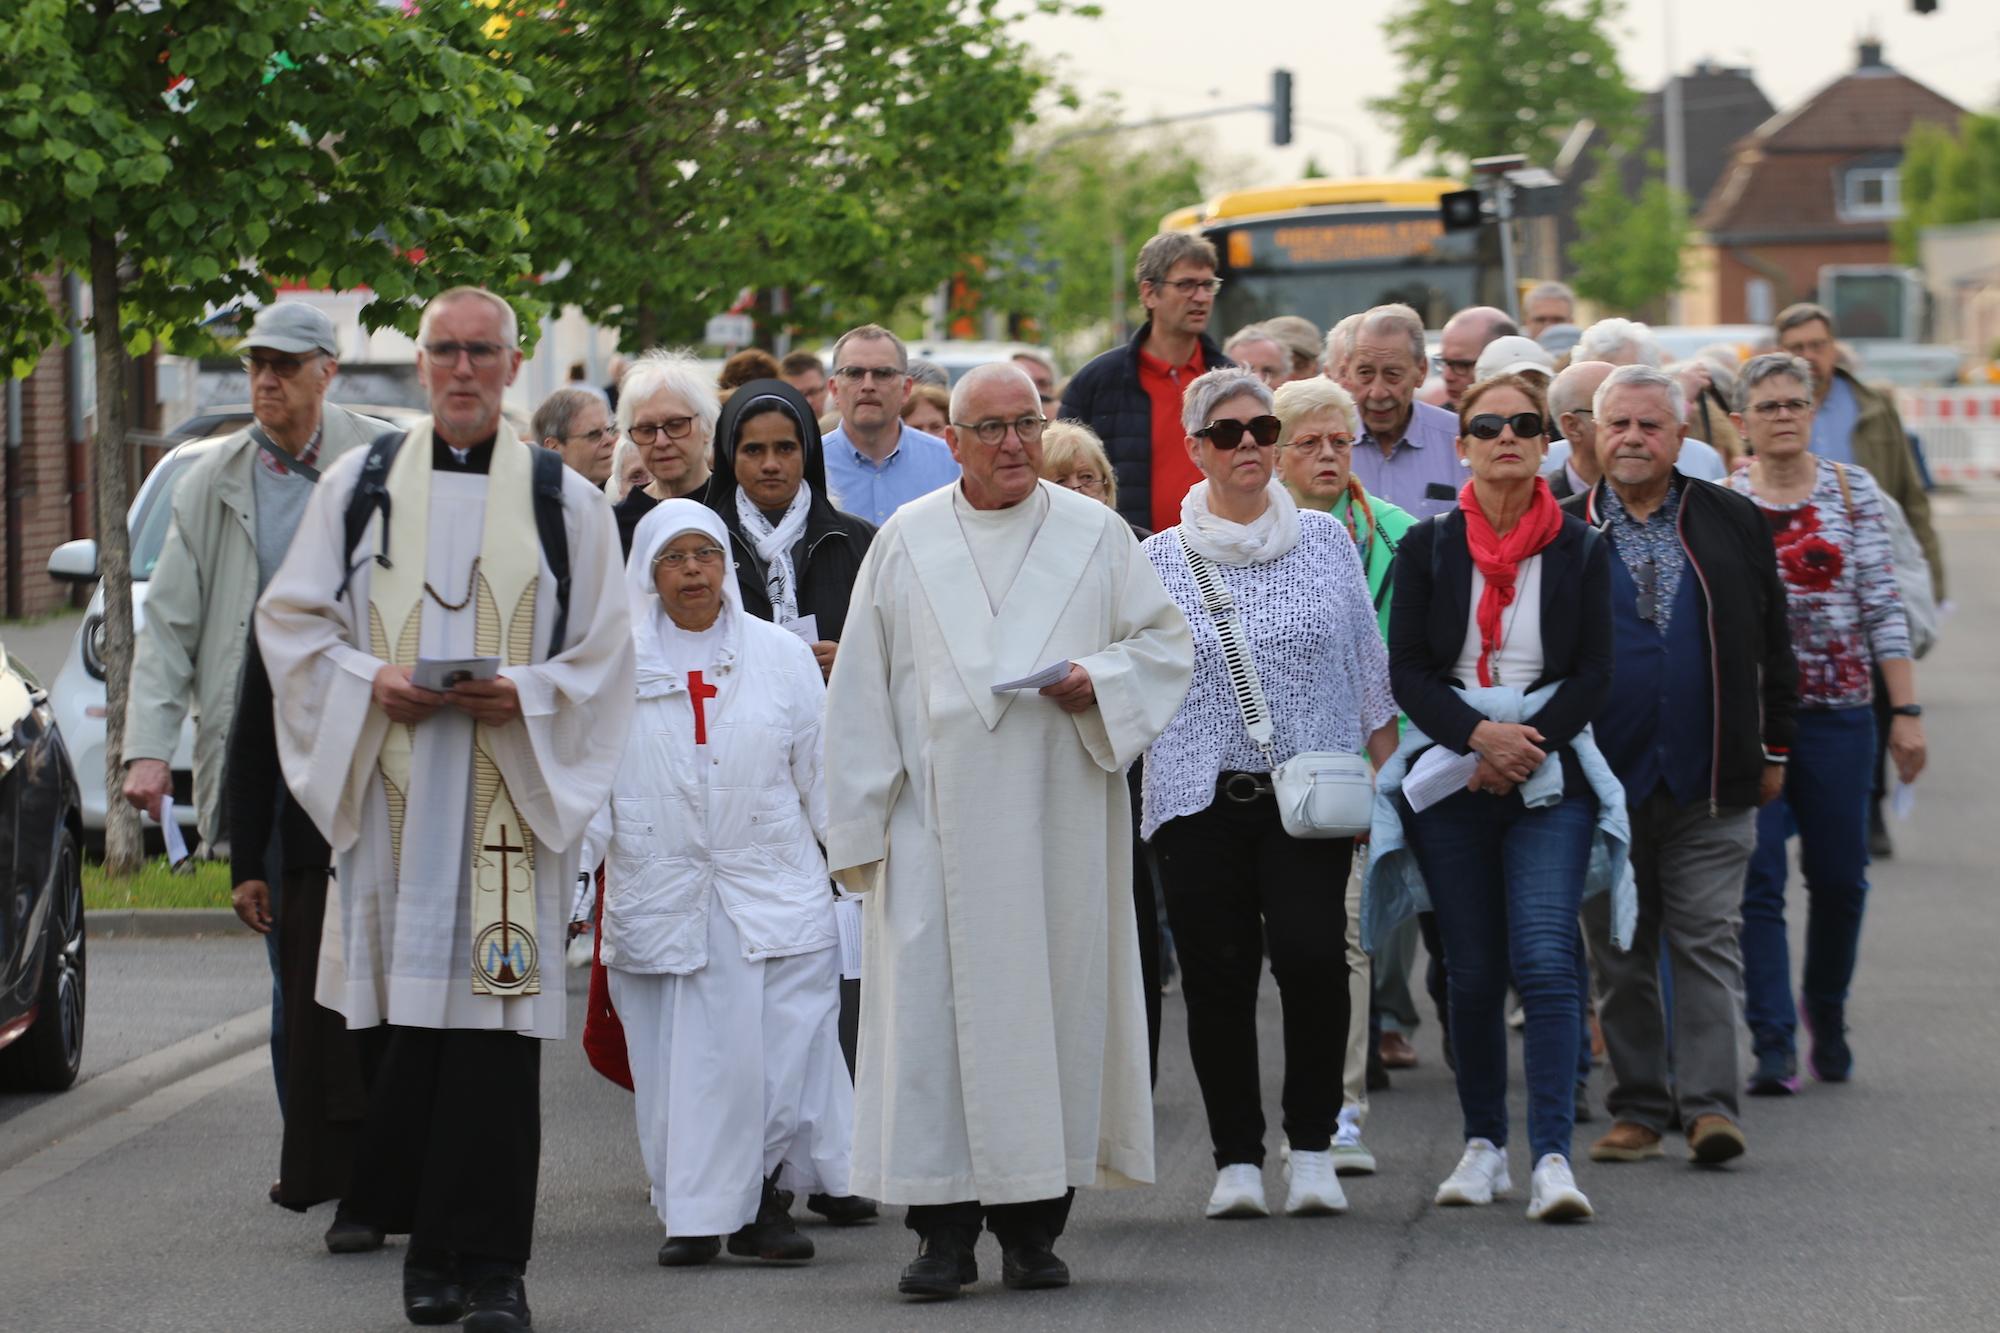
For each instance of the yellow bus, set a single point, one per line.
(1329, 248)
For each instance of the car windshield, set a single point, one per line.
(154, 514)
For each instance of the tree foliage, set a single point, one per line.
(1485, 77)
(186, 153)
(853, 152)
(1948, 178)
(1627, 255)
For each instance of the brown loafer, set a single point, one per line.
(1397, 1053)
(1627, 1142)
(1714, 1139)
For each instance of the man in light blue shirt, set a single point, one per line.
(874, 463)
(1834, 420)
(1407, 453)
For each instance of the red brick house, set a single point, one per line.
(1812, 186)
(47, 482)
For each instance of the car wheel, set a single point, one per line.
(49, 1054)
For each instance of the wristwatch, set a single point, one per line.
(1908, 710)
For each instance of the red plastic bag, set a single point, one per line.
(603, 1032)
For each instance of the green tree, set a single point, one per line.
(1948, 178)
(1093, 198)
(854, 152)
(1485, 77)
(182, 152)
(1628, 251)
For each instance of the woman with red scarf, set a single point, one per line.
(1506, 590)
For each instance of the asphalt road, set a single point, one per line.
(1872, 1205)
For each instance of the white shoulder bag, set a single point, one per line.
(1322, 793)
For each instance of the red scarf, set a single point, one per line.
(1500, 557)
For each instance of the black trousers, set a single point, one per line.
(1146, 905)
(1012, 1224)
(1237, 883)
(452, 1145)
(326, 1090)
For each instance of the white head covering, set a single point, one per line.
(666, 521)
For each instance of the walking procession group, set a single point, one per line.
(716, 677)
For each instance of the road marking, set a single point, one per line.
(59, 1159)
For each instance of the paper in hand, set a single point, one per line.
(847, 916)
(1047, 676)
(170, 829)
(1438, 773)
(1902, 797)
(806, 627)
(441, 673)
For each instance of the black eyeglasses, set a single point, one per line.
(992, 431)
(1228, 433)
(284, 367)
(481, 355)
(1525, 425)
(675, 428)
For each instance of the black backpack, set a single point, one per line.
(371, 495)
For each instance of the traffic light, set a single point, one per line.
(1461, 210)
(1924, 6)
(1281, 107)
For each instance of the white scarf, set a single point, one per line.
(1264, 539)
(774, 547)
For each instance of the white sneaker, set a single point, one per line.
(1479, 1178)
(1239, 1192)
(1552, 1192)
(1350, 1155)
(1315, 1189)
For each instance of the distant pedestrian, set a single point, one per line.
(1625, 342)
(1257, 349)
(1546, 305)
(1301, 338)
(928, 409)
(752, 363)
(875, 463)
(576, 424)
(806, 373)
(1040, 367)
(1464, 336)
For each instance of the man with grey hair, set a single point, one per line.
(1301, 338)
(1626, 342)
(577, 424)
(1258, 350)
(1131, 395)
(979, 806)
(1698, 728)
(875, 462)
(1571, 400)
(1462, 339)
(1407, 452)
(455, 802)
(1547, 305)
(1040, 367)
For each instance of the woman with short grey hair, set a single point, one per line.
(667, 406)
(1234, 879)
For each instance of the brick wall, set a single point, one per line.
(43, 483)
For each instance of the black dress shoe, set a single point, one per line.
(432, 1295)
(688, 1251)
(773, 1237)
(941, 1268)
(346, 1236)
(498, 1304)
(1032, 1268)
(843, 1210)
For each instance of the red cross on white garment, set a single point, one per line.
(699, 693)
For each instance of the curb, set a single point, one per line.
(106, 1094)
(165, 923)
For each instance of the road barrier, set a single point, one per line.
(1959, 429)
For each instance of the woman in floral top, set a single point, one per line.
(1846, 620)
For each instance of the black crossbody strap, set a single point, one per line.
(1236, 658)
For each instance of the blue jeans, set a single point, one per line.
(1506, 883)
(1825, 802)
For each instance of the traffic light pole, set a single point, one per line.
(1279, 109)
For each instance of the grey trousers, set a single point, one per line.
(1390, 980)
(1689, 867)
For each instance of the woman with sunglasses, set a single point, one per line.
(1506, 601)
(1235, 881)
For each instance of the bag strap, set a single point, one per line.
(1846, 494)
(1236, 658)
(280, 457)
(371, 494)
(554, 537)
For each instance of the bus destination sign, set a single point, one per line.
(1315, 244)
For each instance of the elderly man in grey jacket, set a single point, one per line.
(234, 512)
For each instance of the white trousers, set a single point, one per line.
(737, 1072)
(1360, 988)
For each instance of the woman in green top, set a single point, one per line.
(1315, 462)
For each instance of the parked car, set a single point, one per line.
(42, 956)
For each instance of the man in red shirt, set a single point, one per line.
(1131, 395)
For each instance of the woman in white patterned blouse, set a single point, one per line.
(1235, 881)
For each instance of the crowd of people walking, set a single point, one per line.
(882, 768)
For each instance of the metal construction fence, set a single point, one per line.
(1958, 428)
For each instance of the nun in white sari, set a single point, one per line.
(718, 929)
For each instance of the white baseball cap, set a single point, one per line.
(1515, 355)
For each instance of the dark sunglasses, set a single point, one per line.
(1488, 425)
(1228, 433)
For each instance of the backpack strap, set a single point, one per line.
(370, 496)
(1846, 494)
(554, 536)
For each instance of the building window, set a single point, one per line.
(1759, 301)
(1871, 193)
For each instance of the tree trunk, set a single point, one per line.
(124, 841)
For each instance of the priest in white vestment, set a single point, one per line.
(1003, 1033)
(454, 816)
(718, 935)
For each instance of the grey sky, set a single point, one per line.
(1169, 56)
